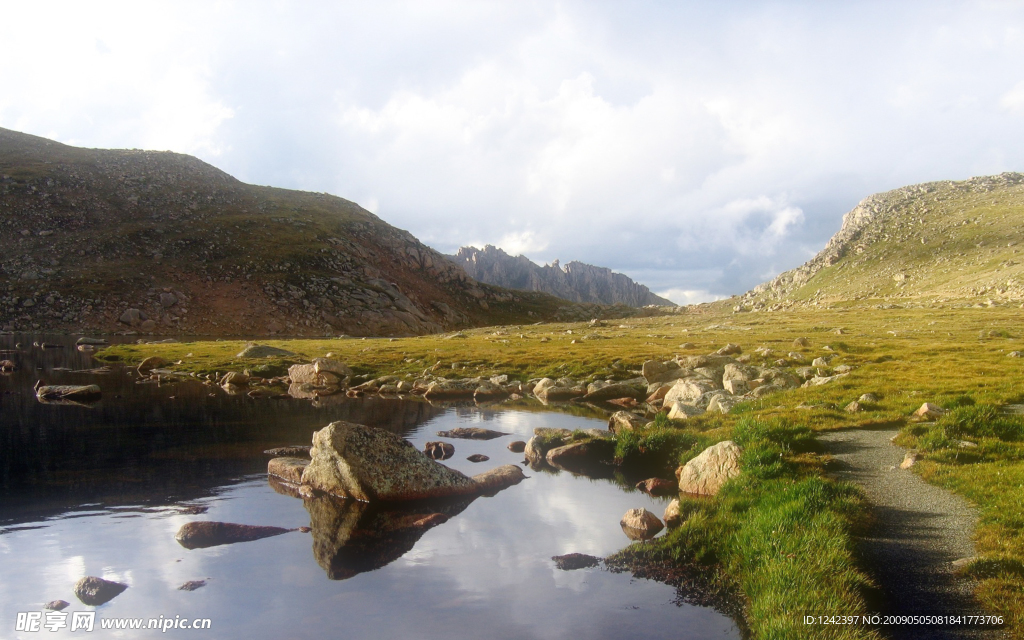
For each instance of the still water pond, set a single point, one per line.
(102, 490)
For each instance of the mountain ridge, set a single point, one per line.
(575, 281)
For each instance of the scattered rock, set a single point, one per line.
(478, 457)
(705, 474)
(729, 350)
(1015, 354)
(203, 534)
(517, 446)
(869, 398)
(287, 468)
(471, 433)
(680, 411)
(132, 317)
(192, 585)
(801, 342)
(235, 378)
(853, 407)
(640, 524)
(929, 411)
(7, 366)
(573, 561)
(614, 392)
(909, 460)
(625, 421)
(550, 390)
(439, 450)
(168, 300)
(93, 591)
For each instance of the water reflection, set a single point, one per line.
(102, 491)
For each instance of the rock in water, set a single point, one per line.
(68, 392)
(290, 452)
(572, 561)
(90, 341)
(370, 464)
(192, 585)
(517, 447)
(658, 487)
(199, 535)
(640, 524)
(705, 474)
(95, 591)
(289, 469)
(57, 605)
(478, 457)
(439, 450)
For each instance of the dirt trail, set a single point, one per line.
(921, 530)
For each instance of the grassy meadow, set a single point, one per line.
(781, 536)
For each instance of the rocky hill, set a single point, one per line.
(159, 242)
(576, 281)
(930, 244)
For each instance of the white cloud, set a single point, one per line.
(689, 296)
(658, 140)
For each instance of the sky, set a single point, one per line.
(698, 147)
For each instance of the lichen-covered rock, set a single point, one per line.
(705, 474)
(640, 524)
(93, 591)
(369, 464)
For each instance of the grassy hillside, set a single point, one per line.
(929, 244)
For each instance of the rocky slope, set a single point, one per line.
(159, 242)
(928, 244)
(576, 281)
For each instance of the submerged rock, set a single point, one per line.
(478, 457)
(95, 591)
(371, 464)
(192, 585)
(573, 561)
(471, 433)
(705, 474)
(203, 534)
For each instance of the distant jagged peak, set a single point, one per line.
(575, 281)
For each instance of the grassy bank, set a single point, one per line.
(782, 534)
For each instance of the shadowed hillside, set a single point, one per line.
(160, 242)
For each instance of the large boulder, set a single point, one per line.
(303, 374)
(262, 351)
(581, 455)
(369, 464)
(705, 474)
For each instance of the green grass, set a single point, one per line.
(904, 356)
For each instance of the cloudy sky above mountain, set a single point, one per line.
(698, 147)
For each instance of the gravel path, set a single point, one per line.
(921, 530)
